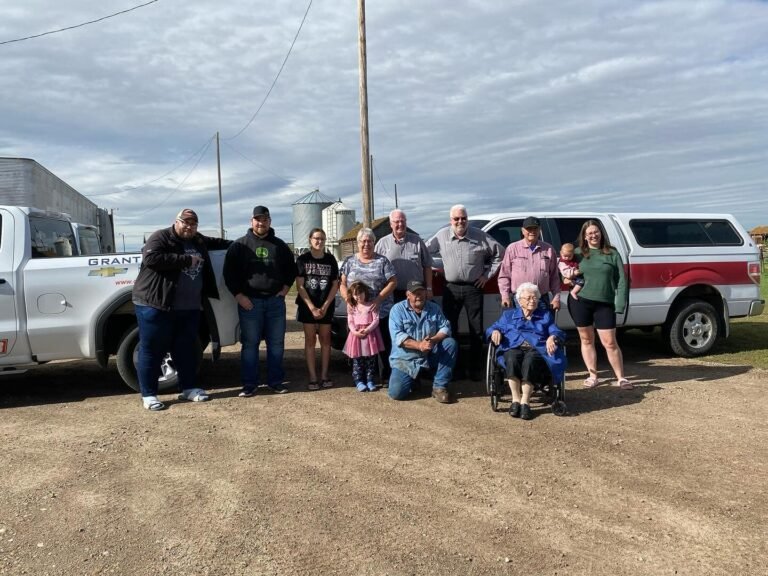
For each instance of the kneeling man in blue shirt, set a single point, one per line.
(421, 339)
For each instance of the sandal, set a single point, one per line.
(624, 384)
(152, 403)
(591, 382)
(194, 395)
(327, 383)
(313, 385)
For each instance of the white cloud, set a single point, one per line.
(499, 105)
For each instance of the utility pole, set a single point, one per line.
(221, 206)
(364, 153)
(396, 204)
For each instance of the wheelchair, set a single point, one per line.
(496, 386)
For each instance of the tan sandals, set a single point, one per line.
(591, 382)
(624, 384)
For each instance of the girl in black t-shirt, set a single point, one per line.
(317, 283)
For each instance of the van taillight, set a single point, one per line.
(753, 269)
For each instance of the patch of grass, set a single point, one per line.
(748, 342)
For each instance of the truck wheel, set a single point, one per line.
(127, 358)
(692, 330)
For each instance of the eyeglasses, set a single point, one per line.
(459, 218)
(528, 298)
(188, 222)
(318, 238)
(261, 218)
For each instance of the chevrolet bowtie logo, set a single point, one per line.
(108, 272)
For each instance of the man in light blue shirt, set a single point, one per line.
(421, 339)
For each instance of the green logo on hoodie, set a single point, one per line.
(262, 253)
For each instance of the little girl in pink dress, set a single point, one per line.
(364, 341)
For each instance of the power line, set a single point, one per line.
(79, 25)
(172, 192)
(376, 170)
(266, 169)
(276, 77)
(131, 188)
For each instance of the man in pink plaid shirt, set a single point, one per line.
(530, 260)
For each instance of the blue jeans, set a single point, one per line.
(265, 320)
(163, 331)
(441, 361)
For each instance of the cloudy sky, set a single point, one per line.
(605, 105)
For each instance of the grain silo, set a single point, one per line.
(337, 221)
(307, 214)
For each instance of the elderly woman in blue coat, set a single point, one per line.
(529, 347)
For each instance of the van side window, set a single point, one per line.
(684, 232)
(51, 238)
(507, 232)
(722, 233)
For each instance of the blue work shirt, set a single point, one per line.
(515, 330)
(405, 323)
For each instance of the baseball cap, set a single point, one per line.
(261, 211)
(187, 214)
(414, 285)
(531, 222)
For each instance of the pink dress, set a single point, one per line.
(358, 317)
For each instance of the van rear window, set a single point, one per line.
(651, 233)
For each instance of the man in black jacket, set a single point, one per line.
(259, 270)
(175, 274)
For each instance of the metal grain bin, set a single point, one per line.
(307, 214)
(337, 221)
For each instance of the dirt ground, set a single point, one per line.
(667, 479)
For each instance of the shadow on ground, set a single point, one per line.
(75, 381)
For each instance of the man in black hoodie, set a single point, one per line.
(259, 270)
(175, 275)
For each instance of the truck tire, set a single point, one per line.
(127, 356)
(692, 329)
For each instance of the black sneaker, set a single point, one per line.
(247, 392)
(525, 412)
(514, 409)
(278, 388)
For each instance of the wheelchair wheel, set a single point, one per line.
(490, 377)
(559, 408)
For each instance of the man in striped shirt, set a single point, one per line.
(470, 258)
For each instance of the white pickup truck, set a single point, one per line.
(687, 273)
(58, 305)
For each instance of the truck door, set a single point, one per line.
(9, 320)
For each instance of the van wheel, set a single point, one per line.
(692, 330)
(127, 358)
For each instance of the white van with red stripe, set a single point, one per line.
(687, 273)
